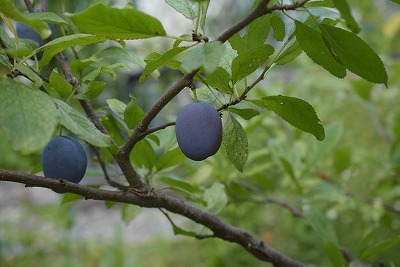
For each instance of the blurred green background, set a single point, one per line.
(352, 178)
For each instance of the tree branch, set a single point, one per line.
(153, 199)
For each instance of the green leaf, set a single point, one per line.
(355, 54)
(334, 253)
(257, 32)
(143, 155)
(60, 44)
(129, 212)
(279, 27)
(114, 23)
(105, 69)
(321, 225)
(237, 43)
(185, 7)
(62, 87)
(180, 184)
(245, 113)
(170, 159)
(30, 73)
(28, 117)
(289, 54)
(380, 247)
(219, 80)
(179, 231)
(94, 89)
(154, 63)
(342, 159)
(215, 197)
(295, 111)
(312, 43)
(247, 62)
(133, 114)
(47, 17)
(235, 142)
(289, 169)
(117, 106)
(81, 126)
(206, 55)
(71, 197)
(204, 8)
(344, 9)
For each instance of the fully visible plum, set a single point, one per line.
(64, 157)
(199, 130)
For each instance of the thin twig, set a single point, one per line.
(29, 6)
(105, 172)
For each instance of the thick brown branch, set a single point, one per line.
(158, 200)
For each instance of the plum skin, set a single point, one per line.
(199, 130)
(24, 31)
(64, 158)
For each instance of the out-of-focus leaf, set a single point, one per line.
(129, 212)
(170, 159)
(245, 113)
(185, 7)
(133, 114)
(206, 56)
(28, 117)
(215, 197)
(143, 155)
(380, 247)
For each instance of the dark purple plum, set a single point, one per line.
(64, 158)
(24, 31)
(199, 130)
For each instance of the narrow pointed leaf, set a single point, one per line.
(356, 55)
(295, 111)
(312, 43)
(346, 15)
(235, 141)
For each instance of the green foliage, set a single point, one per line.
(28, 117)
(295, 111)
(342, 185)
(126, 23)
(235, 142)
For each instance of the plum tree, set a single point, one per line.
(199, 130)
(64, 157)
